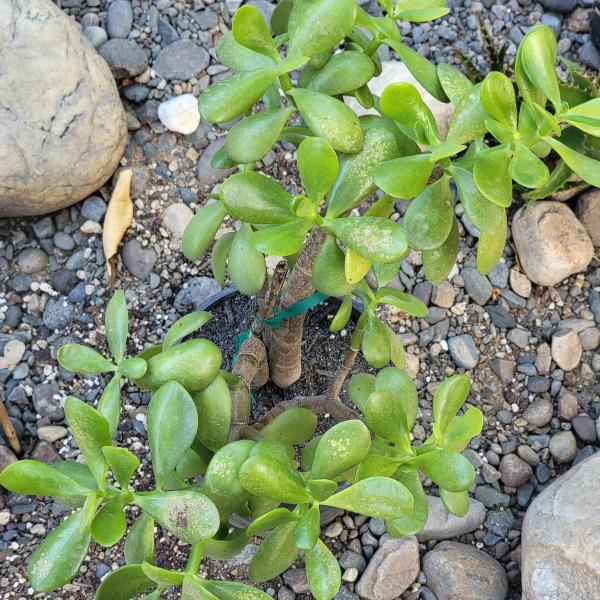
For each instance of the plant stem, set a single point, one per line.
(285, 342)
(338, 381)
(194, 559)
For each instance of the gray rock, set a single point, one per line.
(584, 428)
(563, 447)
(119, 19)
(208, 175)
(124, 57)
(499, 522)
(52, 433)
(500, 316)
(560, 543)
(456, 570)
(391, 570)
(568, 406)
(6, 457)
(167, 32)
(93, 208)
(181, 60)
(196, 291)
(44, 228)
(58, 313)
(491, 497)
(95, 35)
(519, 337)
(352, 560)
(562, 6)
(504, 368)
(45, 453)
(589, 55)
(498, 276)
(590, 338)
(63, 241)
(32, 260)
(551, 243)
(296, 579)
(539, 412)
(514, 471)
(463, 351)
(80, 121)
(138, 260)
(520, 283)
(588, 211)
(476, 285)
(441, 525)
(442, 295)
(46, 401)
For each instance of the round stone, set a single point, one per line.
(539, 412)
(514, 471)
(566, 349)
(32, 260)
(563, 447)
(181, 60)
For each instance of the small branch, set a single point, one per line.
(9, 430)
(194, 558)
(338, 381)
(320, 405)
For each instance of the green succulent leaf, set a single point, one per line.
(306, 533)
(270, 520)
(251, 138)
(454, 83)
(281, 240)
(218, 257)
(462, 430)
(294, 426)
(456, 503)
(231, 590)
(414, 521)
(238, 57)
(401, 385)
(498, 98)
(354, 181)
(162, 577)
(485, 215)
(122, 463)
(490, 248)
(109, 405)
(526, 168)
(116, 324)
(384, 413)
(133, 368)
(58, 558)
(193, 589)
(321, 26)
(468, 120)
(585, 116)
(187, 514)
(449, 470)
(361, 386)
(318, 166)
(341, 447)
(109, 525)
(275, 554)
(328, 276)
(185, 326)
(319, 111)
(428, 219)
(405, 302)
(438, 262)
(82, 359)
(447, 400)
(229, 98)
(380, 497)
(250, 29)
(492, 176)
(343, 73)
(404, 177)
(587, 168)
(125, 583)
(342, 316)
(139, 545)
(213, 404)
(322, 571)
(172, 424)
(375, 344)
(36, 478)
(201, 230)
(321, 489)
(247, 267)
(373, 238)
(255, 198)
(76, 471)
(90, 430)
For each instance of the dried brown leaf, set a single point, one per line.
(117, 221)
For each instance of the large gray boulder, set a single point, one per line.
(62, 124)
(560, 543)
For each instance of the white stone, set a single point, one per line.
(395, 72)
(176, 217)
(566, 349)
(180, 114)
(13, 353)
(560, 541)
(441, 525)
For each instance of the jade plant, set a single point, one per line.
(340, 236)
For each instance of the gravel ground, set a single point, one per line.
(540, 420)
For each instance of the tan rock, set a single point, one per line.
(560, 542)
(551, 243)
(588, 211)
(62, 124)
(566, 349)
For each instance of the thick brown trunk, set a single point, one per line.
(285, 342)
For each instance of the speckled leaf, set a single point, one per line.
(123, 584)
(404, 177)
(322, 571)
(428, 219)
(247, 267)
(172, 424)
(58, 558)
(187, 514)
(375, 344)
(109, 525)
(139, 545)
(438, 262)
(306, 533)
(343, 73)
(454, 83)
(398, 382)
(414, 521)
(293, 426)
(83, 359)
(318, 166)
(255, 198)
(498, 99)
(275, 553)
(491, 247)
(213, 404)
(468, 120)
(341, 447)
(201, 230)
(330, 119)
(116, 323)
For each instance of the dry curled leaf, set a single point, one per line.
(118, 219)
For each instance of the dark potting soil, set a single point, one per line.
(322, 351)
